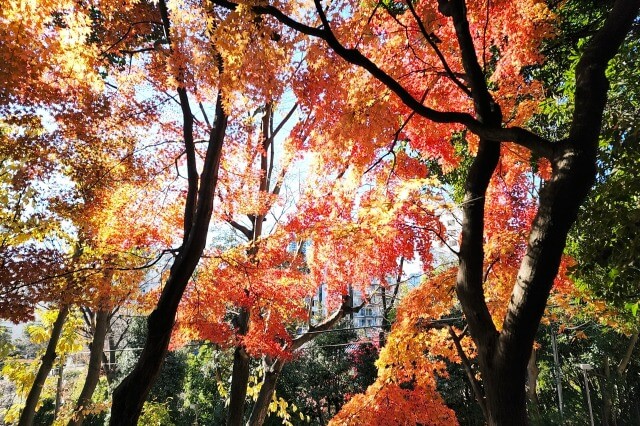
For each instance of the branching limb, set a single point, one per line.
(537, 144)
(327, 324)
(429, 38)
(477, 390)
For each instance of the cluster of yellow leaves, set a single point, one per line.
(22, 372)
(58, 58)
(67, 411)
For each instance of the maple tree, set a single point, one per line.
(252, 296)
(459, 64)
(392, 94)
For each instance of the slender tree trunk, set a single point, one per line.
(59, 389)
(606, 387)
(129, 396)
(93, 373)
(261, 408)
(532, 383)
(387, 307)
(624, 362)
(109, 364)
(273, 368)
(29, 411)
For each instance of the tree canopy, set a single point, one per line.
(213, 165)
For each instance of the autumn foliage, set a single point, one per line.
(237, 157)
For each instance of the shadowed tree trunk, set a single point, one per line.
(624, 362)
(532, 384)
(130, 395)
(606, 387)
(239, 375)
(93, 372)
(29, 411)
(269, 382)
(503, 356)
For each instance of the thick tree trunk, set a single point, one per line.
(239, 375)
(503, 356)
(130, 395)
(93, 373)
(29, 411)
(269, 382)
(505, 396)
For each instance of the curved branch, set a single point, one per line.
(449, 72)
(537, 144)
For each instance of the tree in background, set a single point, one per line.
(24, 372)
(324, 375)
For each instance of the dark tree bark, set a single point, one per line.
(130, 395)
(241, 369)
(503, 360)
(269, 382)
(239, 375)
(532, 384)
(624, 362)
(503, 356)
(29, 411)
(93, 372)
(606, 387)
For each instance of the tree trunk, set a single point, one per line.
(503, 356)
(109, 360)
(606, 387)
(93, 373)
(624, 362)
(59, 389)
(505, 395)
(239, 376)
(129, 396)
(29, 411)
(274, 368)
(532, 383)
(261, 408)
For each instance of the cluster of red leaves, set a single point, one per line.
(26, 275)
